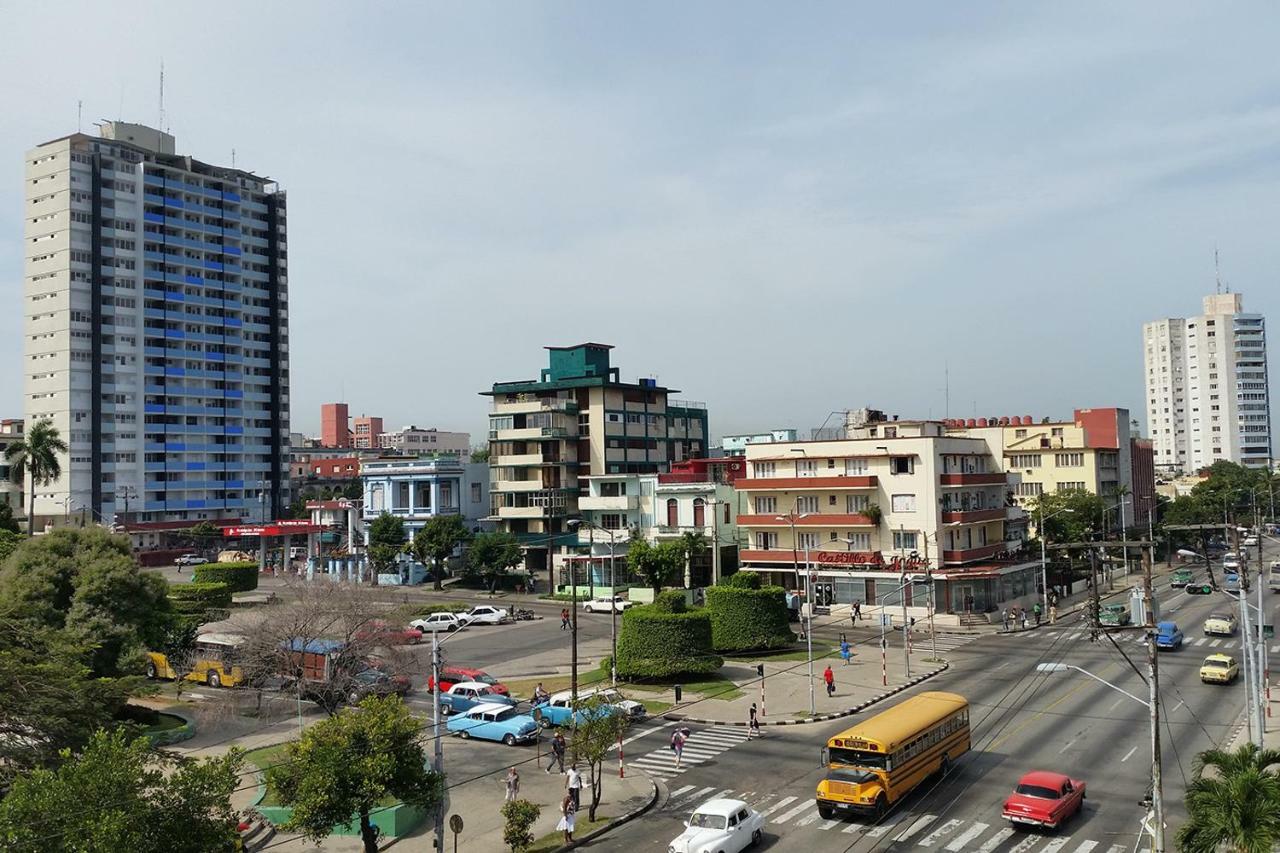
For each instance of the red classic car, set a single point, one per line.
(1044, 799)
(385, 634)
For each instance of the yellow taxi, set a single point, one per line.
(1220, 623)
(1219, 669)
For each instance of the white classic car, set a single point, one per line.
(720, 826)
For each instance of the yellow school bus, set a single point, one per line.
(872, 765)
(214, 661)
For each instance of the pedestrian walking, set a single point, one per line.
(830, 678)
(564, 619)
(1004, 618)
(845, 651)
(753, 725)
(1023, 613)
(567, 812)
(1053, 613)
(1036, 608)
(857, 612)
(557, 751)
(513, 786)
(573, 784)
(677, 744)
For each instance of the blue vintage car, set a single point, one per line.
(558, 710)
(468, 694)
(494, 722)
(1169, 636)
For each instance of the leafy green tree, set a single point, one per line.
(438, 538)
(875, 515)
(119, 795)
(1078, 525)
(386, 541)
(36, 456)
(86, 582)
(598, 732)
(344, 766)
(493, 554)
(1235, 808)
(49, 698)
(657, 564)
(479, 454)
(9, 542)
(520, 816)
(8, 524)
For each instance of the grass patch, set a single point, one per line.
(657, 706)
(164, 723)
(715, 687)
(788, 657)
(262, 758)
(523, 689)
(555, 840)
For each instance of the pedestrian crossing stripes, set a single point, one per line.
(702, 746)
(1138, 638)
(898, 831)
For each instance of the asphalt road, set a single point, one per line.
(1022, 720)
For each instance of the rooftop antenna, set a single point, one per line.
(233, 158)
(79, 116)
(1217, 274)
(160, 126)
(946, 372)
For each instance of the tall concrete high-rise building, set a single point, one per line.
(156, 329)
(335, 425)
(1207, 394)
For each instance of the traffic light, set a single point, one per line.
(677, 694)
(760, 670)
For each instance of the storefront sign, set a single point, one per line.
(870, 559)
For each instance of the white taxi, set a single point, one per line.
(719, 826)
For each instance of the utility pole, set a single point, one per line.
(1153, 681)
(1095, 602)
(437, 763)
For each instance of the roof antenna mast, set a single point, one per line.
(1217, 274)
(160, 126)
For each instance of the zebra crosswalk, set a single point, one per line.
(791, 814)
(1137, 638)
(702, 746)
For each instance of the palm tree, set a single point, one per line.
(875, 515)
(36, 454)
(1237, 807)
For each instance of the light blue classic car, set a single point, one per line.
(558, 709)
(494, 722)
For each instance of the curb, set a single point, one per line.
(617, 821)
(680, 718)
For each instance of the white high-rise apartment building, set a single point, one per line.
(1207, 396)
(156, 330)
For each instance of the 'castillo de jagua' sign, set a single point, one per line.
(871, 560)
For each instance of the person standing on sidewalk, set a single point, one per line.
(557, 751)
(830, 678)
(857, 612)
(513, 786)
(1023, 613)
(1036, 607)
(564, 619)
(753, 725)
(1004, 619)
(567, 813)
(573, 783)
(845, 651)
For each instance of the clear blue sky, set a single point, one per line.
(781, 210)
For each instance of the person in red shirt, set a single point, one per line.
(829, 677)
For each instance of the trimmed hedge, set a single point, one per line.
(197, 597)
(239, 577)
(451, 607)
(745, 619)
(653, 643)
(742, 580)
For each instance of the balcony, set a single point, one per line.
(532, 406)
(516, 485)
(817, 519)
(528, 434)
(595, 536)
(620, 503)
(997, 478)
(505, 512)
(973, 515)
(968, 555)
(791, 484)
(529, 459)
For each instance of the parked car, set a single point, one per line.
(1231, 581)
(721, 826)
(451, 675)
(1169, 636)
(1181, 578)
(385, 634)
(1219, 669)
(494, 721)
(439, 622)
(190, 560)
(1231, 561)
(634, 710)
(1044, 799)
(1115, 614)
(1201, 588)
(468, 694)
(558, 710)
(1222, 624)
(603, 604)
(1250, 541)
(487, 614)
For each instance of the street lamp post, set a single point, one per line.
(1044, 562)
(792, 518)
(613, 586)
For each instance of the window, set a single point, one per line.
(807, 468)
(901, 465)
(673, 513)
(858, 541)
(855, 503)
(1024, 460)
(1068, 486)
(806, 540)
(904, 503)
(766, 541)
(807, 503)
(1068, 460)
(766, 505)
(855, 467)
(1029, 490)
(699, 512)
(904, 540)
(1019, 433)
(611, 521)
(764, 470)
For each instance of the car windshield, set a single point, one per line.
(701, 820)
(1220, 664)
(1220, 618)
(610, 696)
(505, 714)
(1039, 791)
(857, 758)
(486, 679)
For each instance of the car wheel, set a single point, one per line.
(756, 837)
(946, 765)
(353, 698)
(464, 734)
(214, 679)
(151, 669)
(826, 812)
(881, 806)
(509, 739)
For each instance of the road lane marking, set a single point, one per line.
(1181, 702)
(1085, 847)
(1055, 845)
(996, 745)
(962, 840)
(1117, 848)
(780, 804)
(826, 826)
(883, 827)
(787, 815)
(1115, 704)
(678, 791)
(937, 835)
(1216, 643)
(911, 830)
(697, 795)
(812, 817)
(1026, 844)
(996, 840)
(1068, 744)
(1129, 754)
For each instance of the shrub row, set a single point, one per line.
(745, 619)
(653, 643)
(239, 577)
(199, 596)
(450, 607)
